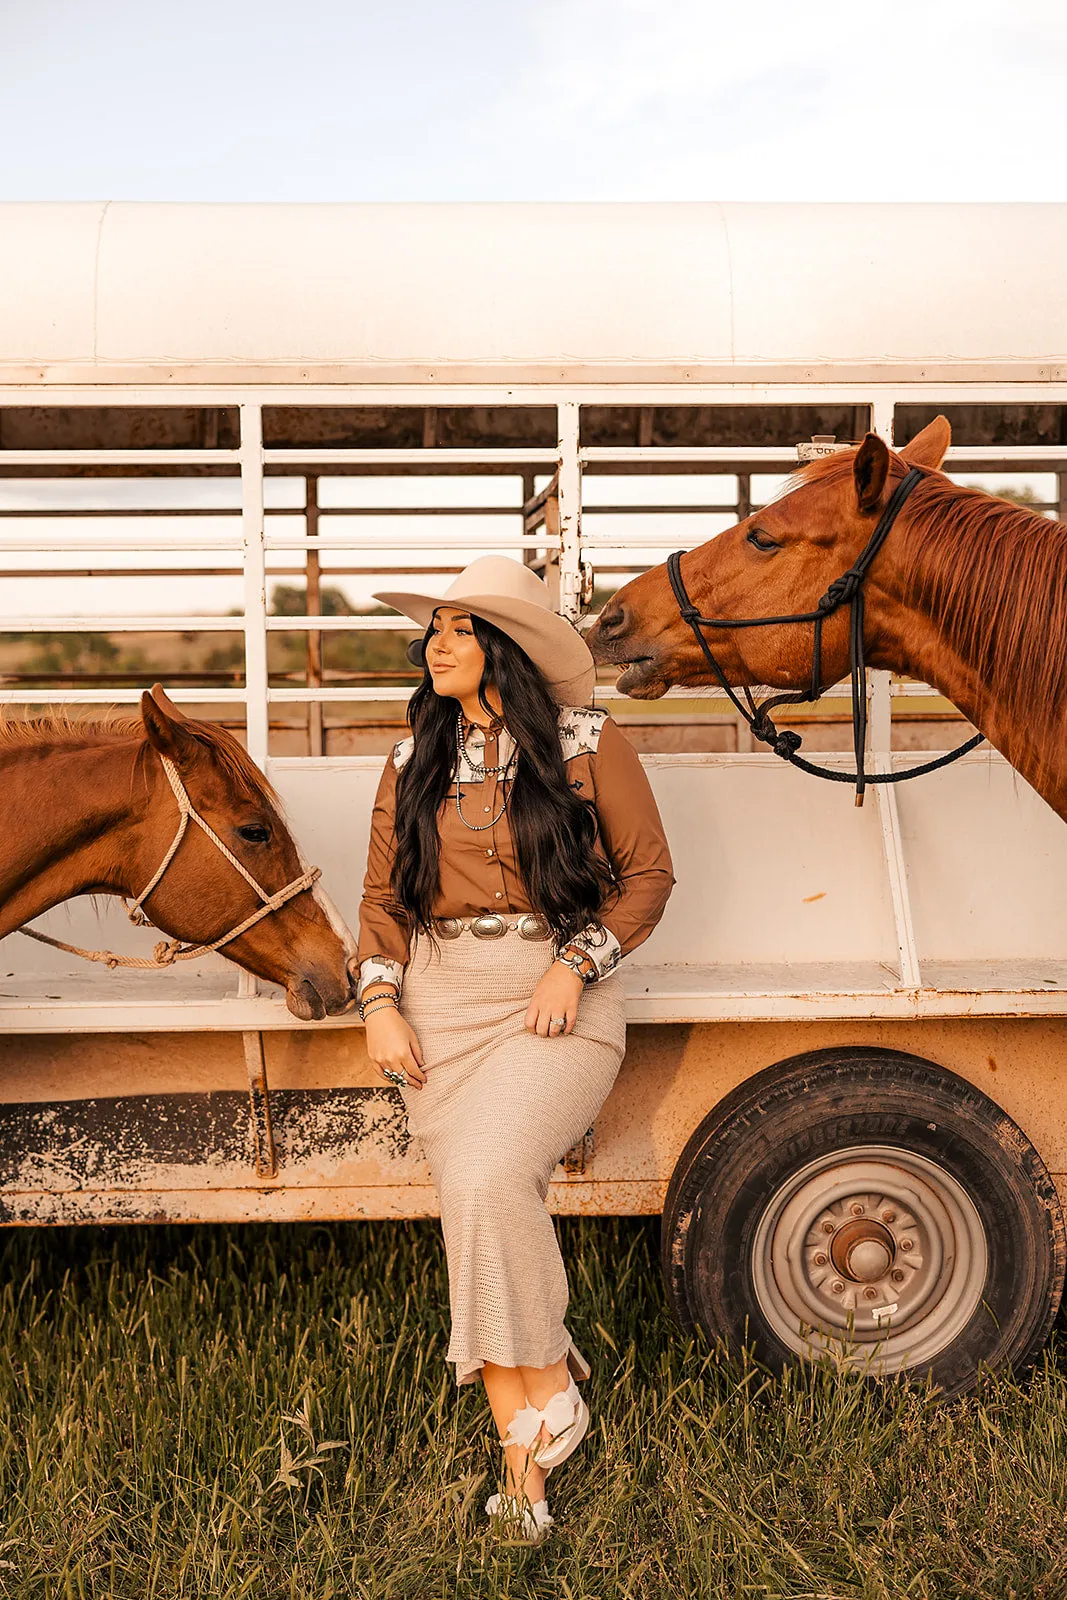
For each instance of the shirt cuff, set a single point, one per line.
(601, 946)
(379, 969)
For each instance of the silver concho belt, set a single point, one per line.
(491, 925)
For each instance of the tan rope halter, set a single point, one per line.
(170, 950)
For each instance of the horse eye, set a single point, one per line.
(761, 541)
(255, 834)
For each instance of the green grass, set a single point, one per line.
(266, 1412)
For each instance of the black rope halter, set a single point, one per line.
(847, 590)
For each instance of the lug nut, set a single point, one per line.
(857, 1210)
(820, 1259)
(827, 1227)
(898, 1276)
(889, 1216)
(838, 1287)
(870, 1294)
(907, 1244)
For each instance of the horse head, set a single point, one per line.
(777, 562)
(303, 945)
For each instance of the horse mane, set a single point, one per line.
(993, 574)
(59, 730)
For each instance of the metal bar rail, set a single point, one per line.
(258, 539)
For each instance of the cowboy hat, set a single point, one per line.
(502, 591)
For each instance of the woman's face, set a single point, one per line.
(455, 658)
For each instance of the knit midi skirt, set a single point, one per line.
(499, 1109)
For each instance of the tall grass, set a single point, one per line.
(266, 1412)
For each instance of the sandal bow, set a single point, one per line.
(524, 1426)
(566, 1417)
(560, 1411)
(528, 1522)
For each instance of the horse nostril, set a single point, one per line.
(612, 620)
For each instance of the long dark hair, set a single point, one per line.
(553, 828)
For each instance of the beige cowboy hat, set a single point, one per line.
(504, 592)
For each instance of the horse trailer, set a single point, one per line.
(222, 426)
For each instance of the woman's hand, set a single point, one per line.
(557, 995)
(392, 1042)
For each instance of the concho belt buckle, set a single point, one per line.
(488, 926)
(449, 927)
(532, 926)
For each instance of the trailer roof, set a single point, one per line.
(487, 292)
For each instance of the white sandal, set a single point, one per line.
(566, 1416)
(515, 1514)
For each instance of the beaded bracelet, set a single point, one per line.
(384, 986)
(366, 1007)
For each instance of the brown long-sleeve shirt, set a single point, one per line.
(479, 870)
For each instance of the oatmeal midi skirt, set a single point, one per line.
(500, 1108)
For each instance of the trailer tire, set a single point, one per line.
(866, 1204)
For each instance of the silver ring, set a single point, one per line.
(554, 1021)
(391, 1073)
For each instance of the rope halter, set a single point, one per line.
(170, 950)
(847, 590)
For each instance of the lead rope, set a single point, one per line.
(170, 950)
(845, 590)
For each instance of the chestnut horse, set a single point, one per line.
(89, 807)
(968, 593)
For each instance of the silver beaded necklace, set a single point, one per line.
(479, 768)
(481, 771)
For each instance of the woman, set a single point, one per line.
(516, 854)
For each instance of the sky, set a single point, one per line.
(514, 100)
(532, 100)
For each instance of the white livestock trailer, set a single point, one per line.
(222, 426)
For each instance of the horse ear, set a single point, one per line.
(870, 469)
(164, 725)
(928, 447)
(165, 703)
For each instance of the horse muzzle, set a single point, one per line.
(614, 643)
(311, 997)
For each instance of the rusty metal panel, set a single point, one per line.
(580, 1155)
(117, 1129)
(266, 1158)
(56, 1154)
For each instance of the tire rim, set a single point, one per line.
(875, 1256)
